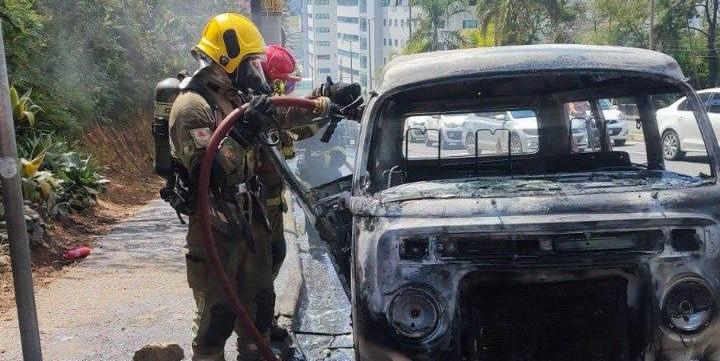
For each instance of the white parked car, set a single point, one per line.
(617, 124)
(678, 126)
(415, 129)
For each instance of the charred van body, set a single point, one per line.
(505, 253)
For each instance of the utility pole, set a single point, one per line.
(267, 15)
(410, 21)
(351, 61)
(12, 201)
(652, 25)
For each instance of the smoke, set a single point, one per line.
(102, 58)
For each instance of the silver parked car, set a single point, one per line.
(446, 130)
(495, 130)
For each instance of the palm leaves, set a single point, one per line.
(522, 22)
(435, 12)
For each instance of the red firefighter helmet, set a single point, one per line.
(280, 67)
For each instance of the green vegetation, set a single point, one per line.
(684, 29)
(76, 66)
(435, 13)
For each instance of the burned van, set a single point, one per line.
(539, 239)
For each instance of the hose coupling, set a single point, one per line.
(322, 106)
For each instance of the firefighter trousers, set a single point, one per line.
(214, 319)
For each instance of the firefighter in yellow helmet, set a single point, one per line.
(229, 75)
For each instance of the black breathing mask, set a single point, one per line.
(250, 77)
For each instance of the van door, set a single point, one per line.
(320, 177)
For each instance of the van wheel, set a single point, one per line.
(671, 146)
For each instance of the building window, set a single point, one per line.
(396, 23)
(385, 41)
(348, 37)
(363, 24)
(402, 23)
(347, 2)
(323, 43)
(324, 70)
(396, 42)
(323, 57)
(363, 43)
(322, 16)
(385, 2)
(384, 22)
(347, 20)
(468, 24)
(322, 2)
(322, 29)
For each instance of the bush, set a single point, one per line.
(56, 149)
(82, 182)
(57, 179)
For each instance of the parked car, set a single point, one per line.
(679, 129)
(450, 126)
(552, 255)
(579, 134)
(495, 130)
(617, 124)
(416, 130)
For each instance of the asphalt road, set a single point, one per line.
(693, 164)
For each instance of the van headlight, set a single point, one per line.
(413, 313)
(689, 306)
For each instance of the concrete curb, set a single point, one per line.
(288, 298)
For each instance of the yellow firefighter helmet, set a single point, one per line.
(229, 38)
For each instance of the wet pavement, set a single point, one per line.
(323, 326)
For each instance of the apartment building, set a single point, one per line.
(369, 33)
(321, 27)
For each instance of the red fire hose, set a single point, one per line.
(204, 216)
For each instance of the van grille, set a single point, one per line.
(583, 320)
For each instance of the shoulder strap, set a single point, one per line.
(202, 86)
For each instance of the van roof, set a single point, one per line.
(441, 65)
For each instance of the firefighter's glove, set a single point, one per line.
(257, 117)
(341, 94)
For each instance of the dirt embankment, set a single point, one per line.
(126, 150)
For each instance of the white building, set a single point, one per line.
(369, 33)
(321, 41)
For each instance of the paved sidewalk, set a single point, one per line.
(130, 292)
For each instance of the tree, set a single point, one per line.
(708, 10)
(434, 14)
(523, 22)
